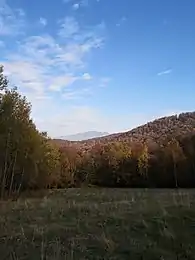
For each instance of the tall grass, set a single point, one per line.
(99, 224)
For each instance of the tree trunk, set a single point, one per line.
(3, 182)
(13, 172)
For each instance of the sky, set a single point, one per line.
(104, 65)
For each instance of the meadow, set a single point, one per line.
(92, 223)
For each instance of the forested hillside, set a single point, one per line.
(157, 131)
(158, 154)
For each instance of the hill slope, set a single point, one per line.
(154, 132)
(84, 136)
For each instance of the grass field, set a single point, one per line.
(100, 224)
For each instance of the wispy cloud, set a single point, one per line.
(68, 27)
(44, 65)
(2, 44)
(78, 94)
(84, 2)
(11, 21)
(77, 118)
(86, 76)
(57, 83)
(48, 65)
(43, 21)
(164, 72)
(76, 6)
(104, 81)
(121, 21)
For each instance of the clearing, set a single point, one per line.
(94, 223)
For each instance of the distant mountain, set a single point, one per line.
(84, 136)
(154, 132)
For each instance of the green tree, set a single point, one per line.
(27, 159)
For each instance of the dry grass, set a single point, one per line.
(100, 224)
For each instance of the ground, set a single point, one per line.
(100, 224)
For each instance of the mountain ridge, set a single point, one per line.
(152, 132)
(84, 136)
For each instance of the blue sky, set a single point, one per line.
(105, 65)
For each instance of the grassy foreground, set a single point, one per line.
(100, 224)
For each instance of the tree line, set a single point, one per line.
(29, 159)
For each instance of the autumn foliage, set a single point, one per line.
(158, 154)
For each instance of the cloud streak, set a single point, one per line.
(43, 21)
(76, 6)
(52, 63)
(12, 22)
(164, 72)
(121, 21)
